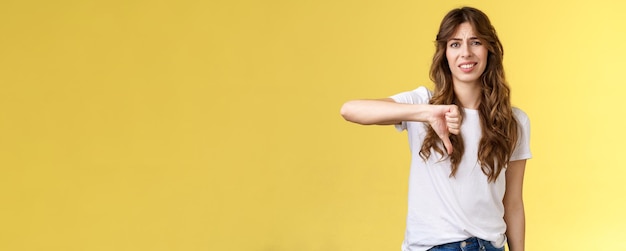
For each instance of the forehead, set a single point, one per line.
(464, 30)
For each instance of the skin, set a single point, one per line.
(444, 119)
(514, 215)
(464, 48)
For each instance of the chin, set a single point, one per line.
(469, 80)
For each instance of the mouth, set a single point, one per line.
(467, 67)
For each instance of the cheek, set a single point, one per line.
(450, 58)
(484, 54)
(449, 55)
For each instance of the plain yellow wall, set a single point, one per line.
(214, 125)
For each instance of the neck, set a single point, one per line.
(468, 94)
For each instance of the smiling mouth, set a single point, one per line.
(467, 66)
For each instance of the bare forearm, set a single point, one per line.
(514, 205)
(516, 228)
(383, 112)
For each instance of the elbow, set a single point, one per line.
(514, 204)
(349, 112)
(346, 111)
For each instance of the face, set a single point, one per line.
(467, 56)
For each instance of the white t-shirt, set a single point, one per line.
(444, 209)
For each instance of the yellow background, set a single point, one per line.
(214, 125)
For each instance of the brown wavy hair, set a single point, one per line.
(498, 125)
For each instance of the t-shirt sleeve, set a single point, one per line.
(522, 148)
(421, 95)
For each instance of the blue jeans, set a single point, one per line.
(471, 244)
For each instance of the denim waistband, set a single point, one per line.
(472, 243)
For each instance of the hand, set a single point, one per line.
(446, 119)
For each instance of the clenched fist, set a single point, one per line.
(445, 119)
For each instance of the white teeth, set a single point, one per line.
(467, 66)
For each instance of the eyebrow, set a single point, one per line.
(458, 39)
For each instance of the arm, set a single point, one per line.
(383, 112)
(514, 205)
(444, 119)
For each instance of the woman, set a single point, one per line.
(469, 146)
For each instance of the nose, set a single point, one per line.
(465, 51)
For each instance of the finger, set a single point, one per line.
(454, 119)
(447, 144)
(453, 125)
(454, 131)
(454, 112)
(454, 109)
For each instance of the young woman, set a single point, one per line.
(468, 145)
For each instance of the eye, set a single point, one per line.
(476, 42)
(455, 44)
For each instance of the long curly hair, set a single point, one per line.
(498, 125)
